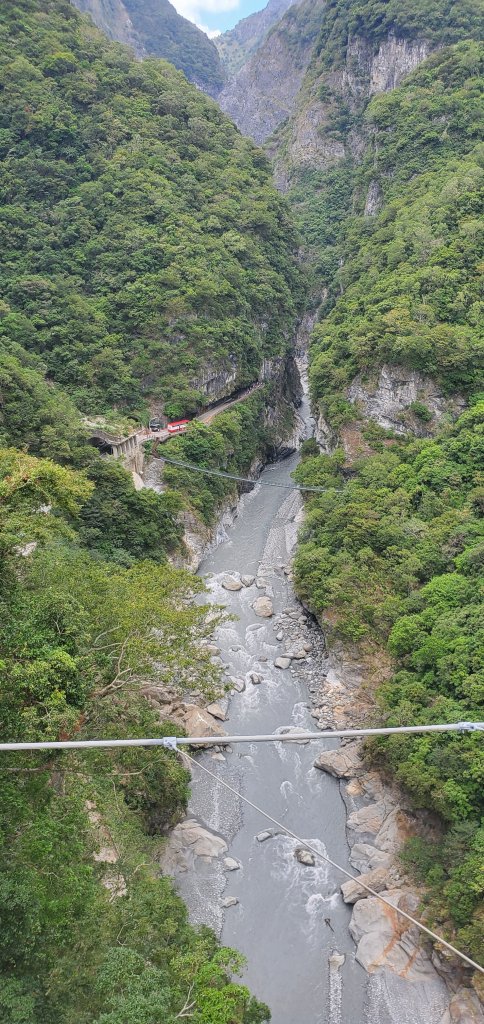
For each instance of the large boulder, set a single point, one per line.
(395, 830)
(263, 607)
(199, 722)
(216, 712)
(187, 841)
(354, 889)
(343, 763)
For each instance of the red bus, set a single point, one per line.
(178, 426)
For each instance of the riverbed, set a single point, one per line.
(289, 920)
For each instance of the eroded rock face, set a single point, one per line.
(395, 59)
(385, 939)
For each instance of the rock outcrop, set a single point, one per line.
(397, 398)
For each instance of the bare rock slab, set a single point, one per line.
(386, 940)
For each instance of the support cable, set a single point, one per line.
(322, 856)
(242, 479)
(173, 742)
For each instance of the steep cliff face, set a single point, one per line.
(112, 17)
(263, 93)
(239, 43)
(154, 28)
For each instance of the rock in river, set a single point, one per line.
(305, 856)
(230, 864)
(230, 583)
(230, 901)
(247, 580)
(263, 607)
(282, 662)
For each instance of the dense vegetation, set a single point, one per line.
(84, 939)
(142, 238)
(391, 555)
(143, 243)
(396, 557)
(410, 275)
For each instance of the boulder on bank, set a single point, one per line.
(189, 840)
(343, 763)
(230, 864)
(354, 889)
(199, 722)
(368, 819)
(216, 712)
(263, 607)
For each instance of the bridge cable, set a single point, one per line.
(242, 479)
(322, 856)
(173, 742)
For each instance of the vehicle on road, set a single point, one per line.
(178, 426)
(155, 424)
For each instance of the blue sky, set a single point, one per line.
(217, 15)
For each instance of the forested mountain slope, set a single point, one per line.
(144, 241)
(154, 28)
(391, 556)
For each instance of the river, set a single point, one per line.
(290, 919)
